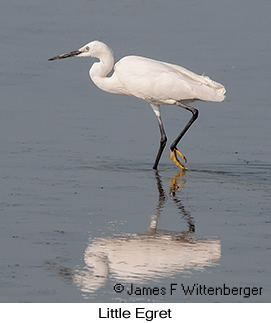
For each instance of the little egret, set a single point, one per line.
(156, 82)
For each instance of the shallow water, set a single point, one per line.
(81, 209)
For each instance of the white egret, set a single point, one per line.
(156, 82)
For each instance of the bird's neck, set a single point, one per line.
(99, 71)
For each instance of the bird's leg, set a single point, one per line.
(173, 147)
(163, 140)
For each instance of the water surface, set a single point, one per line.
(81, 208)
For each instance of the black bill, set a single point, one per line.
(71, 54)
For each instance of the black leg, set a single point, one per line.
(163, 142)
(190, 122)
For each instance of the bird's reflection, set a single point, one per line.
(150, 256)
(176, 184)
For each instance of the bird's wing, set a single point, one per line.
(165, 83)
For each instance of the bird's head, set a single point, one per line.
(92, 49)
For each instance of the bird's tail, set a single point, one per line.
(218, 90)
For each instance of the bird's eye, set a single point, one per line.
(87, 49)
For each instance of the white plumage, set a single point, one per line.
(165, 83)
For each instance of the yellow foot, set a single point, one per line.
(173, 156)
